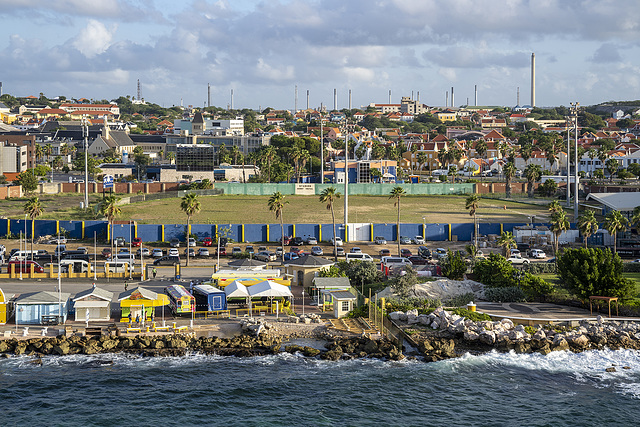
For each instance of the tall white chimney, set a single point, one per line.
(335, 99)
(389, 96)
(533, 80)
(349, 99)
(452, 103)
(476, 90)
(307, 99)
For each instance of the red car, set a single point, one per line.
(223, 251)
(25, 266)
(136, 242)
(406, 253)
(296, 250)
(207, 241)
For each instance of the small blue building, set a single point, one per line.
(37, 308)
(209, 298)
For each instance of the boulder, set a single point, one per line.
(424, 319)
(579, 341)
(487, 337)
(539, 335)
(507, 323)
(61, 349)
(412, 319)
(371, 347)
(395, 316)
(471, 336)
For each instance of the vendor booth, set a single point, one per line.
(209, 298)
(140, 302)
(42, 308)
(93, 305)
(3, 308)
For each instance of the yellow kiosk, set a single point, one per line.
(3, 308)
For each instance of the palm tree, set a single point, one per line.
(533, 173)
(190, 205)
(588, 225)
(554, 207)
(33, 208)
(613, 223)
(559, 224)
(235, 152)
(269, 153)
(472, 205)
(397, 193)
(276, 204)
(328, 196)
(635, 217)
(481, 150)
(422, 159)
(171, 156)
(109, 208)
(509, 172)
(506, 241)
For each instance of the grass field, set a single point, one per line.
(301, 209)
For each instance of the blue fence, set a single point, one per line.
(247, 232)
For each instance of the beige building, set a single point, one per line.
(303, 270)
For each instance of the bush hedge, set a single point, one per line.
(508, 294)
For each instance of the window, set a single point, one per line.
(345, 306)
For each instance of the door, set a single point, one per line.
(360, 232)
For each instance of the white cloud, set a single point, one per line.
(448, 73)
(276, 74)
(94, 39)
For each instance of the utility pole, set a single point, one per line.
(575, 189)
(569, 120)
(85, 131)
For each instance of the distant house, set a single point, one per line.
(118, 140)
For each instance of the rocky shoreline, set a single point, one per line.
(437, 336)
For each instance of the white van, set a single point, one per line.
(358, 256)
(22, 255)
(74, 265)
(126, 257)
(118, 267)
(394, 262)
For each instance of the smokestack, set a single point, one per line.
(476, 89)
(518, 97)
(307, 99)
(452, 103)
(446, 99)
(418, 96)
(0, 88)
(335, 99)
(412, 95)
(208, 95)
(296, 101)
(232, 99)
(389, 96)
(349, 99)
(533, 80)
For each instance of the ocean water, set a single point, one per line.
(289, 390)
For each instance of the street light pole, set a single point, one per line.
(85, 131)
(574, 109)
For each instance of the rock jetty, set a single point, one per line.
(442, 335)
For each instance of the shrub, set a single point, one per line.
(507, 294)
(402, 284)
(548, 188)
(631, 267)
(362, 311)
(494, 271)
(587, 272)
(471, 315)
(544, 267)
(534, 286)
(460, 300)
(453, 266)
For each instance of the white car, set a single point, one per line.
(337, 243)
(537, 254)
(404, 240)
(192, 242)
(517, 260)
(157, 253)
(418, 240)
(312, 241)
(356, 250)
(380, 240)
(143, 251)
(173, 252)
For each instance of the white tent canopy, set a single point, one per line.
(236, 290)
(269, 288)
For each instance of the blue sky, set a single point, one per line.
(586, 50)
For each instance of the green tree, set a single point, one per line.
(509, 172)
(276, 203)
(533, 173)
(453, 266)
(507, 242)
(396, 194)
(190, 205)
(559, 224)
(33, 208)
(549, 187)
(615, 222)
(494, 271)
(612, 166)
(471, 205)
(109, 208)
(28, 181)
(593, 272)
(588, 225)
(328, 196)
(402, 284)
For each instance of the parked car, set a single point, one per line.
(173, 252)
(384, 252)
(424, 252)
(106, 253)
(515, 252)
(296, 250)
(404, 252)
(119, 241)
(418, 240)
(317, 250)
(249, 249)
(203, 252)
(83, 250)
(404, 240)
(143, 252)
(355, 250)
(25, 266)
(517, 260)
(191, 242)
(167, 260)
(279, 251)
(157, 253)
(418, 260)
(440, 253)
(136, 242)
(312, 241)
(236, 250)
(339, 251)
(262, 248)
(207, 241)
(296, 241)
(379, 240)
(174, 243)
(265, 256)
(223, 251)
(537, 254)
(290, 256)
(338, 242)
(192, 252)
(57, 241)
(523, 247)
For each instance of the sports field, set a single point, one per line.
(308, 209)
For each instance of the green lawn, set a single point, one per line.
(554, 279)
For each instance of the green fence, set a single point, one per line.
(440, 188)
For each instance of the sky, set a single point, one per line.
(587, 51)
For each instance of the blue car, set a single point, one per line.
(290, 256)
